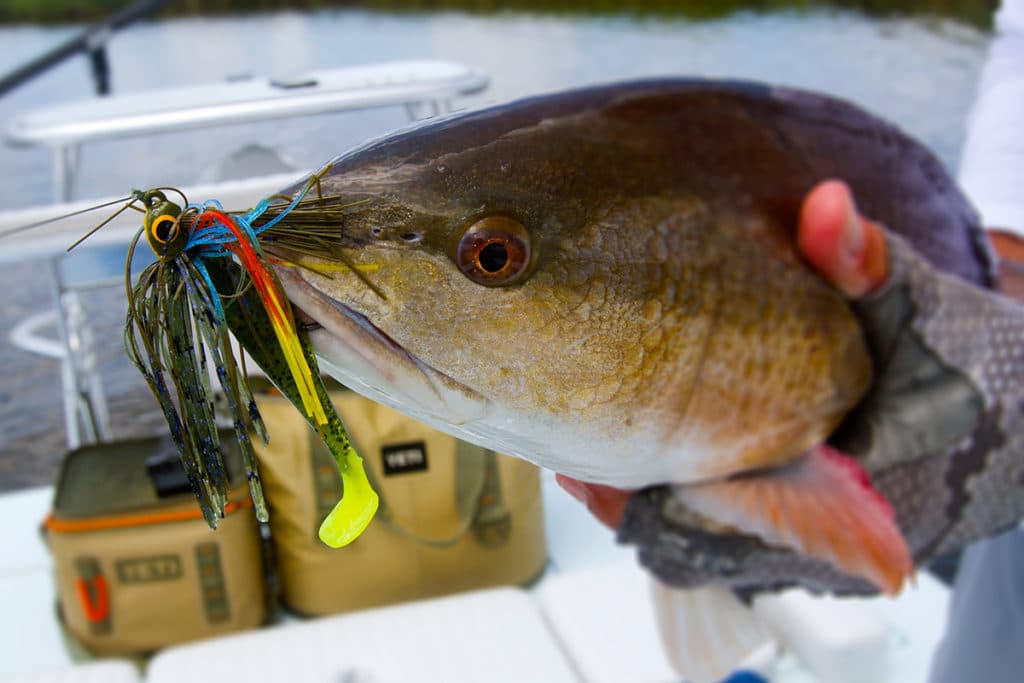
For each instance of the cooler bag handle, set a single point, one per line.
(479, 504)
(478, 501)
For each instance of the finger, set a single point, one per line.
(604, 502)
(849, 250)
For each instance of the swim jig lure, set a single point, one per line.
(211, 279)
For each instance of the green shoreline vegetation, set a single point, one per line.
(976, 12)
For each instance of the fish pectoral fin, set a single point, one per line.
(707, 632)
(822, 505)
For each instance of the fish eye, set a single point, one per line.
(164, 228)
(494, 251)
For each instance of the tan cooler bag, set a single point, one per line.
(136, 571)
(453, 516)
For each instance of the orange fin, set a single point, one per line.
(823, 505)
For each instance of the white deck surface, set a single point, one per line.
(103, 671)
(587, 617)
(483, 636)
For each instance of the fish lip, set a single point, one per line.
(311, 321)
(311, 324)
(377, 351)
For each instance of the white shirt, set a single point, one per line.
(992, 165)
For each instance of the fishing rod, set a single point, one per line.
(92, 41)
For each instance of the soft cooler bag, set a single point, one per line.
(453, 516)
(137, 570)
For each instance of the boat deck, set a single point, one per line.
(589, 609)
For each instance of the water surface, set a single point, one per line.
(921, 74)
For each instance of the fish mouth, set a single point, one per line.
(311, 325)
(366, 359)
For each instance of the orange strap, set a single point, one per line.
(70, 526)
(94, 611)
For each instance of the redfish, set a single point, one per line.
(606, 282)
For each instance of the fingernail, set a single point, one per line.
(853, 234)
(574, 488)
(849, 271)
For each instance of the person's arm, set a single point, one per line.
(985, 622)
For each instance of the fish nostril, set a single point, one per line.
(376, 231)
(411, 237)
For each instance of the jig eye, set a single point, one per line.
(164, 228)
(494, 251)
(164, 231)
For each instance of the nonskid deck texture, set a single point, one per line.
(32, 438)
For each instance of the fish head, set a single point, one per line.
(545, 279)
(478, 279)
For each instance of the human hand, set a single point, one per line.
(940, 433)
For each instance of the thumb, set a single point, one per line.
(847, 249)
